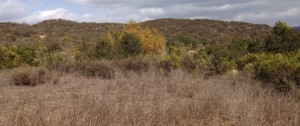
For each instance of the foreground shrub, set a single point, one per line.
(8, 57)
(12, 56)
(30, 76)
(100, 69)
(171, 61)
(189, 63)
(279, 69)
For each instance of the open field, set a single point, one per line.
(149, 98)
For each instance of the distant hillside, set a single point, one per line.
(201, 29)
(297, 28)
(209, 30)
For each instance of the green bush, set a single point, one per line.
(55, 61)
(174, 59)
(282, 39)
(15, 55)
(278, 69)
(188, 41)
(130, 45)
(27, 55)
(226, 65)
(104, 49)
(203, 59)
(238, 48)
(9, 57)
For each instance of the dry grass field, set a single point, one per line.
(146, 99)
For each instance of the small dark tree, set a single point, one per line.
(282, 39)
(104, 49)
(131, 45)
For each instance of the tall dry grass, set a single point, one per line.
(147, 99)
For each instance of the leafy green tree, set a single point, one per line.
(238, 48)
(130, 45)
(282, 39)
(281, 28)
(104, 49)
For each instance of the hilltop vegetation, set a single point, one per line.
(173, 29)
(60, 43)
(208, 30)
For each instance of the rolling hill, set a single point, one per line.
(297, 28)
(208, 30)
(201, 29)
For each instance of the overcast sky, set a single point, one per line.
(255, 11)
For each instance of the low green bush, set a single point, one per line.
(279, 69)
(130, 45)
(188, 41)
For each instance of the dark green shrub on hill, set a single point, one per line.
(204, 60)
(130, 45)
(104, 49)
(15, 55)
(282, 39)
(278, 69)
(173, 60)
(238, 48)
(188, 41)
(27, 55)
(9, 57)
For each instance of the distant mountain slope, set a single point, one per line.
(297, 28)
(201, 29)
(208, 30)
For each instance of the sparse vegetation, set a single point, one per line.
(148, 99)
(30, 76)
(133, 75)
(99, 69)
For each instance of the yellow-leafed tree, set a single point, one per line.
(153, 42)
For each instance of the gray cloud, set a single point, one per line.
(255, 11)
(7, 12)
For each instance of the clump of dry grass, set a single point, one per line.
(30, 76)
(136, 65)
(4, 78)
(100, 69)
(148, 99)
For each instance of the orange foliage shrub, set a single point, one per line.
(153, 42)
